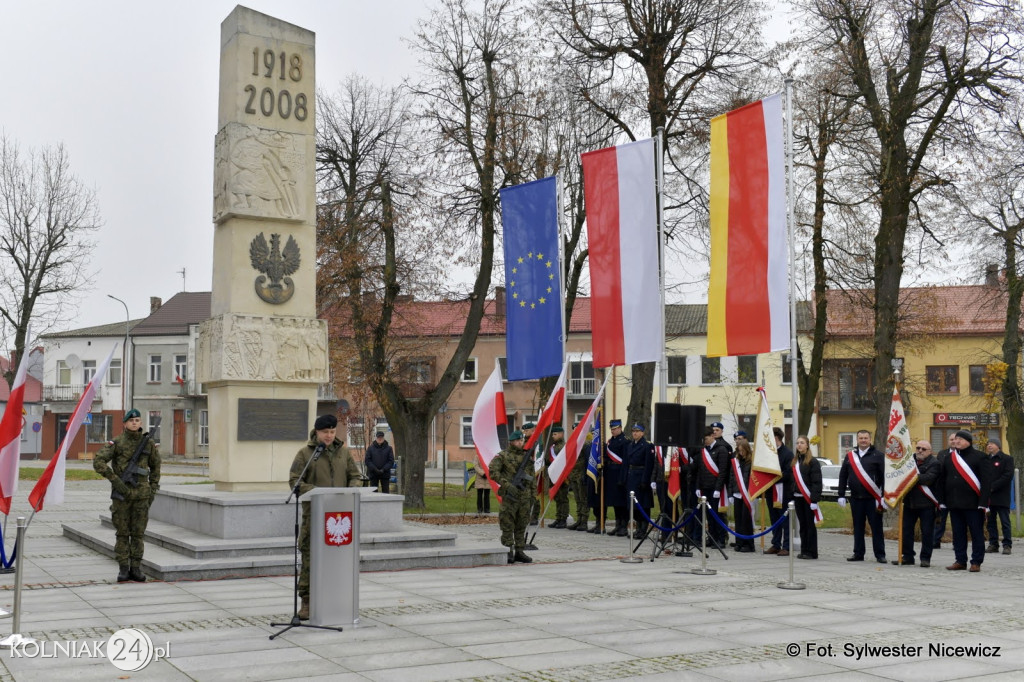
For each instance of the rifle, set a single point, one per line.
(130, 475)
(521, 478)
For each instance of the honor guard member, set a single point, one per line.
(562, 495)
(516, 496)
(333, 468)
(132, 494)
(919, 504)
(942, 514)
(965, 487)
(861, 468)
(528, 429)
(637, 473)
(711, 471)
(578, 483)
(614, 492)
(777, 503)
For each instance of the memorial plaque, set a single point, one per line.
(272, 419)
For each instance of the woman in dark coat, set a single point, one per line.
(806, 495)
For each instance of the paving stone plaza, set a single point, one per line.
(577, 613)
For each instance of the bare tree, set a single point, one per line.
(47, 217)
(919, 70)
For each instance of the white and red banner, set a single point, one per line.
(566, 459)
(488, 413)
(552, 410)
(10, 434)
(622, 231)
(900, 465)
(49, 489)
(765, 469)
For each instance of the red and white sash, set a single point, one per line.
(709, 463)
(742, 485)
(966, 473)
(927, 492)
(659, 455)
(864, 479)
(806, 492)
(684, 457)
(612, 456)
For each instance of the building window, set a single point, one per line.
(977, 378)
(847, 442)
(88, 371)
(63, 373)
(101, 429)
(114, 373)
(748, 423)
(466, 435)
(677, 370)
(357, 432)
(787, 369)
(848, 385)
(180, 364)
(204, 427)
(154, 369)
(942, 379)
(581, 378)
(710, 370)
(416, 371)
(153, 424)
(469, 372)
(62, 426)
(503, 367)
(746, 369)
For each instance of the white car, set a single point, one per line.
(829, 481)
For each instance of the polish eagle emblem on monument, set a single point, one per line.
(338, 528)
(274, 286)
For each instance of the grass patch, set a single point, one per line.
(33, 474)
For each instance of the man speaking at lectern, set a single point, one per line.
(333, 468)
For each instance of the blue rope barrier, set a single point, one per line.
(655, 525)
(4, 562)
(785, 514)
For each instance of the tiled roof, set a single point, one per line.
(112, 329)
(968, 310)
(174, 317)
(33, 387)
(691, 319)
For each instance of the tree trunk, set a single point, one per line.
(412, 436)
(640, 395)
(1013, 410)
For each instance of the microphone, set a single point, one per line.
(318, 451)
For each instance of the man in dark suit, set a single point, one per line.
(863, 470)
(942, 514)
(964, 488)
(776, 506)
(999, 505)
(919, 505)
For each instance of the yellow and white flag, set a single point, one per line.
(900, 465)
(764, 470)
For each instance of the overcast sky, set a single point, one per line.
(130, 88)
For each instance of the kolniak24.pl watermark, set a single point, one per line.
(129, 649)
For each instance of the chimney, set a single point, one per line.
(992, 275)
(499, 302)
(154, 304)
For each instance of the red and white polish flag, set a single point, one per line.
(10, 436)
(488, 413)
(552, 410)
(563, 463)
(622, 230)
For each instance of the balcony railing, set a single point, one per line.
(583, 388)
(838, 401)
(326, 392)
(58, 393)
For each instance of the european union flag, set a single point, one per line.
(533, 334)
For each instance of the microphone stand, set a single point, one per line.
(296, 622)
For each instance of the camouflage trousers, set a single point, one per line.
(513, 518)
(304, 550)
(579, 492)
(130, 518)
(561, 500)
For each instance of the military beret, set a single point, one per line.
(739, 433)
(325, 421)
(615, 424)
(717, 425)
(557, 429)
(966, 435)
(515, 435)
(132, 414)
(529, 425)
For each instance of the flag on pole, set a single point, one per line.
(533, 309)
(488, 413)
(622, 231)
(552, 412)
(469, 477)
(749, 267)
(566, 459)
(900, 463)
(49, 488)
(764, 469)
(594, 459)
(10, 434)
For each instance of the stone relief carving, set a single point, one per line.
(258, 348)
(260, 173)
(276, 264)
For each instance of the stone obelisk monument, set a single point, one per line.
(263, 353)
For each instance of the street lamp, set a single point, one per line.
(124, 355)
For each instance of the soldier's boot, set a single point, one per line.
(304, 608)
(582, 526)
(123, 574)
(521, 557)
(574, 525)
(135, 574)
(511, 555)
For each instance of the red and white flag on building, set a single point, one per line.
(552, 412)
(900, 464)
(566, 459)
(622, 231)
(764, 469)
(488, 414)
(49, 488)
(11, 426)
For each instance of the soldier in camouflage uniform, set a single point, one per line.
(562, 495)
(334, 468)
(578, 483)
(130, 515)
(515, 502)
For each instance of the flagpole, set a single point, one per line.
(659, 165)
(793, 347)
(564, 335)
